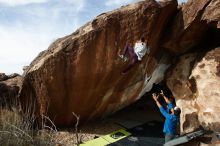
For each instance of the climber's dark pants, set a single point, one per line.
(133, 58)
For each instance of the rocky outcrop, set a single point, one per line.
(194, 81)
(81, 72)
(189, 26)
(4, 77)
(9, 89)
(211, 13)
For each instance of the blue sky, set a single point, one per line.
(30, 26)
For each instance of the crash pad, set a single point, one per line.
(107, 139)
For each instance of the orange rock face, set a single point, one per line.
(9, 89)
(196, 88)
(212, 13)
(81, 72)
(194, 80)
(187, 29)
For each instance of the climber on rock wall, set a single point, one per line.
(135, 54)
(171, 114)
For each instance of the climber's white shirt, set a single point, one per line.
(140, 50)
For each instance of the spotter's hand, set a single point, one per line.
(161, 92)
(154, 96)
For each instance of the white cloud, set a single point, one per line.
(33, 30)
(119, 2)
(20, 2)
(179, 1)
(182, 1)
(65, 9)
(113, 3)
(19, 47)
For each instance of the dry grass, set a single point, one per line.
(16, 128)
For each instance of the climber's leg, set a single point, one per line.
(128, 52)
(134, 60)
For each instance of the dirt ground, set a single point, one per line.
(138, 113)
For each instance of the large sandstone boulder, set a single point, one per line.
(81, 72)
(9, 89)
(194, 81)
(212, 13)
(189, 26)
(4, 77)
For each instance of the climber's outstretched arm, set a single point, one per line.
(165, 98)
(155, 97)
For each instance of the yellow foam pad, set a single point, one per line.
(107, 139)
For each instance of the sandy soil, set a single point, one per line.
(139, 112)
